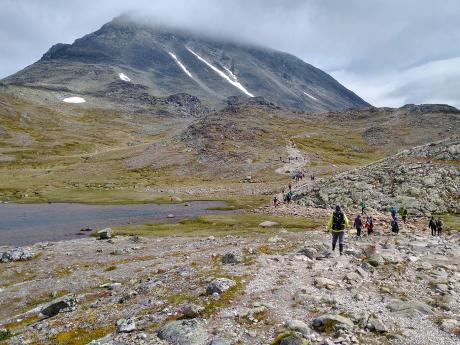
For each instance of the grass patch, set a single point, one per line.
(5, 334)
(80, 336)
(451, 221)
(218, 225)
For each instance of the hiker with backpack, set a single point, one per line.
(439, 226)
(337, 224)
(362, 205)
(393, 212)
(394, 225)
(403, 214)
(433, 226)
(358, 225)
(369, 225)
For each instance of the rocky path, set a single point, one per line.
(235, 290)
(296, 160)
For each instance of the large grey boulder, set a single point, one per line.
(17, 254)
(329, 322)
(309, 252)
(410, 307)
(294, 340)
(220, 285)
(184, 332)
(60, 305)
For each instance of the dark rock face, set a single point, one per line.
(169, 61)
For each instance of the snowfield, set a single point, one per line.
(234, 82)
(181, 65)
(75, 100)
(124, 77)
(307, 94)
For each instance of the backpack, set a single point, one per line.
(337, 221)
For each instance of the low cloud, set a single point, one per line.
(390, 52)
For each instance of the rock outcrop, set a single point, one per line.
(424, 180)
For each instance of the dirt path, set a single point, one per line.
(296, 160)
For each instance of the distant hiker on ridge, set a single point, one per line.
(337, 223)
(358, 224)
(433, 226)
(362, 205)
(439, 226)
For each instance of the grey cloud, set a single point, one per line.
(373, 47)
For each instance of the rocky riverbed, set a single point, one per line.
(280, 288)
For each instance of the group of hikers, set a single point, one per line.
(283, 197)
(338, 222)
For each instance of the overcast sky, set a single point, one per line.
(390, 52)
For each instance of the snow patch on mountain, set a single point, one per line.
(307, 94)
(235, 82)
(181, 65)
(124, 77)
(75, 100)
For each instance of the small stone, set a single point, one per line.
(327, 283)
(298, 326)
(170, 216)
(376, 260)
(105, 234)
(327, 321)
(267, 224)
(184, 332)
(126, 326)
(231, 258)
(220, 285)
(191, 311)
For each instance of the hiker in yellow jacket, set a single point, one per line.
(337, 224)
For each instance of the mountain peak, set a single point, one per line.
(171, 61)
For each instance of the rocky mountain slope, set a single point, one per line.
(266, 287)
(162, 61)
(425, 179)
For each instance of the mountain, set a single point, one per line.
(155, 61)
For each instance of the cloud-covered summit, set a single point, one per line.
(390, 52)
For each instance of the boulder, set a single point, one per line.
(105, 234)
(410, 307)
(60, 305)
(231, 258)
(376, 260)
(267, 224)
(352, 277)
(17, 254)
(376, 325)
(298, 326)
(191, 311)
(126, 326)
(184, 332)
(309, 252)
(294, 340)
(329, 322)
(220, 285)
(327, 283)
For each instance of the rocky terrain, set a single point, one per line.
(271, 287)
(425, 180)
(164, 61)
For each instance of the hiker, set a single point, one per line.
(439, 226)
(290, 186)
(337, 223)
(289, 197)
(275, 201)
(369, 225)
(393, 212)
(403, 214)
(433, 226)
(358, 225)
(363, 206)
(394, 225)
